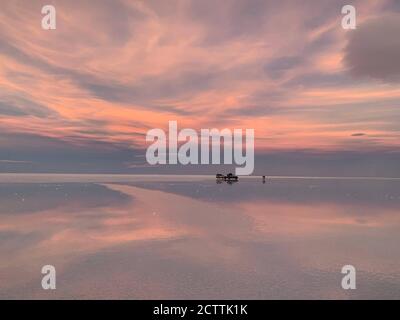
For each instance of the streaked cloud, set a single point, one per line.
(373, 49)
(114, 69)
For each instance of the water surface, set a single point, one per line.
(149, 237)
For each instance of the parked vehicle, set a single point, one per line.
(228, 177)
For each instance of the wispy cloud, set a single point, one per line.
(114, 69)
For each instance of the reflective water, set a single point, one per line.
(174, 238)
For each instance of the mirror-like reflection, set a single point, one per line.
(281, 239)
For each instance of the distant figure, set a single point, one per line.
(263, 179)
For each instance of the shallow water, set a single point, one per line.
(149, 237)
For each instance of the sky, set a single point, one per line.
(322, 100)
